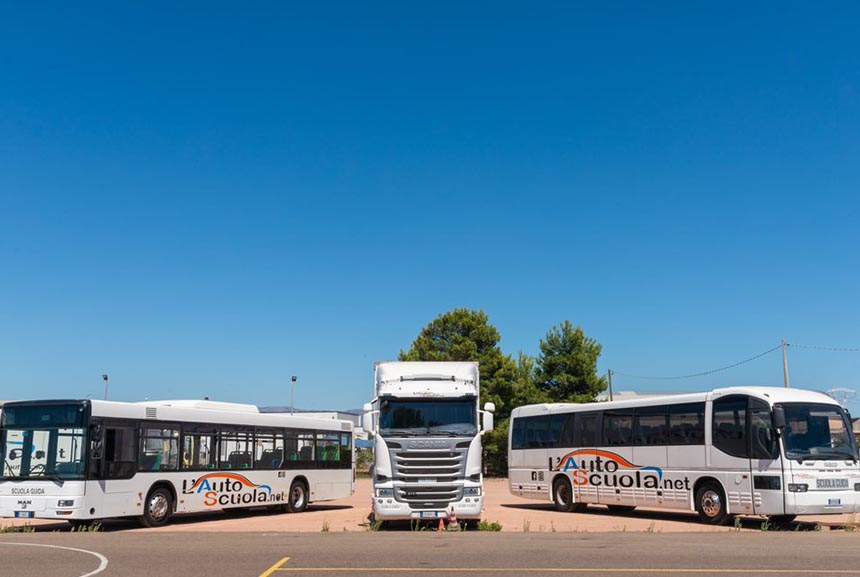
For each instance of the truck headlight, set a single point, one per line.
(472, 491)
(385, 492)
(798, 487)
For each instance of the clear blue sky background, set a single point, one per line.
(205, 199)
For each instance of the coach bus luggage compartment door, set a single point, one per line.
(765, 462)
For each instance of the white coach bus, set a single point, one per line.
(751, 450)
(88, 460)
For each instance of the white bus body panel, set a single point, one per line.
(681, 466)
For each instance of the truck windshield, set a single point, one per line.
(817, 432)
(413, 417)
(43, 442)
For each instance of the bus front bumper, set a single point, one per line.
(822, 503)
(43, 508)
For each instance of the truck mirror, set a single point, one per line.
(487, 422)
(367, 419)
(490, 407)
(779, 418)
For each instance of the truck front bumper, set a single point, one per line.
(389, 509)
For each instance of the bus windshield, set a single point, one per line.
(414, 417)
(43, 442)
(817, 432)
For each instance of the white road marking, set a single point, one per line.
(103, 562)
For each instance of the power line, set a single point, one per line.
(703, 373)
(817, 348)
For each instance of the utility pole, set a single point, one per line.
(293, 394)
(785, 363)
(609, 374)
(105, 379)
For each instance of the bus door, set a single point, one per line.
(765, 461)
(729, 456)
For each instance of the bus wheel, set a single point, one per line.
(298, 497)
(711, 504)
(562, 495)
(158, 508)
(621, 508)
(779, 520)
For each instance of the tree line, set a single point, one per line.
(565, 371)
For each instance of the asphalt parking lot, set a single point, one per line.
(513, 513)
(122, 554)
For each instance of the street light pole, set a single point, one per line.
(105, 379)
(785, 363)
(293, 394)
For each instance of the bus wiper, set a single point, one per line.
(55, 477)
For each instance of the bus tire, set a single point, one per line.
(711, 504)
(621, 508)
(298, 497)
(157, 508)
(562, 495)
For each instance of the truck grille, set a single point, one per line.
(428, 496)
(419, 464)
(429, 478)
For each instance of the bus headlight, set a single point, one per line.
(857, 486)
(472, 491)
(385, 492)
(65, 503)
(799, 487)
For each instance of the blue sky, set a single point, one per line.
(206, 199)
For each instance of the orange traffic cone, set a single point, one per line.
(441, 524)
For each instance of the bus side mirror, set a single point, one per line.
(779, 418)
(367, 419)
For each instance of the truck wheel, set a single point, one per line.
(711, 504)
(298, 500)
(157, 508)
(562, 495)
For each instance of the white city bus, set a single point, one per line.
(751, 450)
(88, 460)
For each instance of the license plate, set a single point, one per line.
(832, 502)
(831, 483)
(23, 514)
(429, 514)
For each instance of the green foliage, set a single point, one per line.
(467, 335)
(567, 366)
(485, 525)
(565, 371)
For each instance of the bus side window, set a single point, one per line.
(518, 434)
(566, 440)
(586, 431)
(687, 424)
